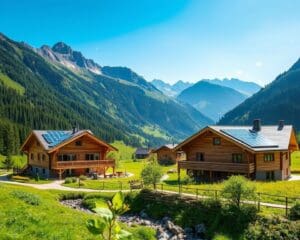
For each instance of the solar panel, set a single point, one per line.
(55, 137)
(251, 138)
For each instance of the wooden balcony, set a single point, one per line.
(83, 164)
(217, 166)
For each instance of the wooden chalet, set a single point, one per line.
(142, 153)
(64, 153)
(258, 152)
(166, 154)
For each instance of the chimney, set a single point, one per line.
(280, 125)
(74, 129)
(256, 125)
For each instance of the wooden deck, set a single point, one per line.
(83, 164)
(217, 166)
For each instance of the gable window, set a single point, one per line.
(78, 143)
(32, 156)
(92, 156)
(43, 157)
(237, 157)
(269, 157)
(216, 141)
(200, 156)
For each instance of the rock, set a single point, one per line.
(200, 229)
(143, 214)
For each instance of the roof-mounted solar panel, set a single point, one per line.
(250, 138)
(54, 138)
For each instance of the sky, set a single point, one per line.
(172, 40)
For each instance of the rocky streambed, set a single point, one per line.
(165, 228)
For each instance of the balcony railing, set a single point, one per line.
(83, 164)
(217, 166)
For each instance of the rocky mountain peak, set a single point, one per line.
(62, 48)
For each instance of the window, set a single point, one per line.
(32, 156)
(78, 143)
(67, 157)
(44, 171)
(200, 156)
(270, 175)
(43, 157)
(237, 157)
(269, 157)
(216, 141)
(36, 170)
(92, 156)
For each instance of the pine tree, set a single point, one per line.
(8, 163)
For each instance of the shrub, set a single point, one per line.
(81, 184)
(37, 177)
(237, 188)
(151, 174)
(82, 177)
(73, 179)
(26, 197)
(295, 212)
(68, 180)
(188, 180)
(273, 227)
(71, 195)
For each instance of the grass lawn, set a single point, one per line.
(295, 168)
(31, 180)
(39, 215)
(128, 166)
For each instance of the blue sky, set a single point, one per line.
(167, 39)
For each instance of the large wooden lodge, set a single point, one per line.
(63, 153)
(258, 152)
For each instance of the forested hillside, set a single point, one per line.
(278, 100)
(38, 93)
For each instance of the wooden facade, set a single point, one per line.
(81, 154)
(210, 155)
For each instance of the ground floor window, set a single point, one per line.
(270, 175)
(200, 156)
(44, 170)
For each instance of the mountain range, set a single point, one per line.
(278, 100)
(211, 99)
(171, 90)
(54, 87)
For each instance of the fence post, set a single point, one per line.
(258, 206)
(286, 206)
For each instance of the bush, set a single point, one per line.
(73, 179)
(26, 197)
(237, 188)
(68, 180)
(81, 184)
(295, 212)
(152, 173)
(82, 177)
(188, 180)
(273, 228)
(37, 177)
(71, 195)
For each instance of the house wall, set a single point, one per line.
(38, 164)
(215, 153)
(280, 166)
(166, 154)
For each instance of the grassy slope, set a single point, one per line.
(295, 162)
(49, 220)
(12, 84)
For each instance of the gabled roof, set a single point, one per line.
(169, 146)
(142, 151)
(51, 140)
(269, 138)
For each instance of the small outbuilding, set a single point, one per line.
(142, 153)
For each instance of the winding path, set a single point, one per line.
(57, 185)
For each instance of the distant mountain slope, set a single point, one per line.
(278, 100)
(211, 99)
(53, 89)
(171, 90)
(247, 88)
